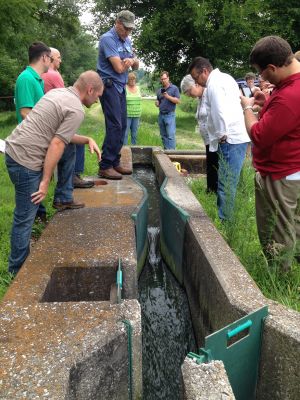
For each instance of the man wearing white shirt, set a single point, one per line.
(226, 129)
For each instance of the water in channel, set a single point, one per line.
(166, 323)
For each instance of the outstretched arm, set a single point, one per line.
(93, 147)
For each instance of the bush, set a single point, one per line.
(188, 104)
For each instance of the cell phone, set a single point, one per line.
(163, 90)
(245, 91)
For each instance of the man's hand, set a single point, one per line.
(247, 101)
(39, 196)
(93, 147)
(128, 62)
(259, 98)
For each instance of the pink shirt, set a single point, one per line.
(53, 80)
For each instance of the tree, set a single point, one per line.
(55, 22)
(79, 55)
(171, 33)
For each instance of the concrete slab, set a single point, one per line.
(206, 381)
(66, 350)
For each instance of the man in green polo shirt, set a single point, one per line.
(30, 85)
(29, 89)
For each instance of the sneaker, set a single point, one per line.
(109, 173)
(80, 183)
(68, 205)
(122, 170)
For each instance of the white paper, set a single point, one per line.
(2, 146)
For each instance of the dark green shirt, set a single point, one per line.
(28, 91)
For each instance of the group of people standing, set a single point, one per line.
(270, 118)
(46, 135)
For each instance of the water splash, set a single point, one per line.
(153, 239)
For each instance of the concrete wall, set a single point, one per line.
(220, 291)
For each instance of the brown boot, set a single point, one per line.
(122, 170)
(68, 205)
(109, 173)
(80, 183)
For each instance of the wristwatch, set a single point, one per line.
(248, 108)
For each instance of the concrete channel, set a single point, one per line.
(62, 334)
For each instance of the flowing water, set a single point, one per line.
(166, 322)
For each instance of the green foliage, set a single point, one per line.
(78, 54)
(188, 104)
(54, 22)
(171, 34)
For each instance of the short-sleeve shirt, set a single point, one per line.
(111, 45)
(28, 90)
(52, 80)
(165, 105)
(59, 113)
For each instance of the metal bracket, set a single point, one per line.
(119, 282)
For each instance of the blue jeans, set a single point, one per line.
(132, 125)
(65, 171)
(231, 159)
(26, 182)
(167, 127)
(79, 164)
(114, 108)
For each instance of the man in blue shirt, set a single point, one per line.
(115, 58)
(167, 98)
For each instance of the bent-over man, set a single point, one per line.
(34, 148)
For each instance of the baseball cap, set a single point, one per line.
(127, 18)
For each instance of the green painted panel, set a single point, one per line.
(173, 220)
(238, 345)
(140, 217)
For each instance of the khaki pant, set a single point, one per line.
(278, 218)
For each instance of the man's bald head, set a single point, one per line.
(89, 78)
(56, 58)
(90, 87)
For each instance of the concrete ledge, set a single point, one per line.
(193, 163)
(205, 381)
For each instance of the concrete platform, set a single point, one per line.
(61, 335)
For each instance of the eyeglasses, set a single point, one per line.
(196, 75)
(51, 58)
(261, 71)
